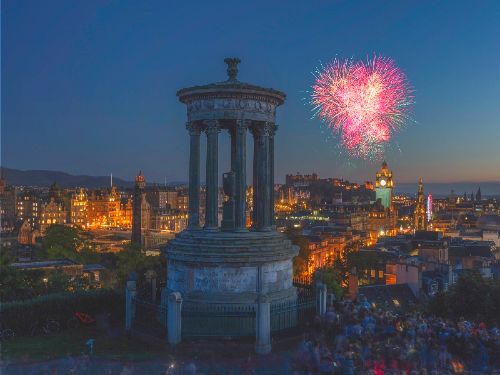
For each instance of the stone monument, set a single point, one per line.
(231, 264)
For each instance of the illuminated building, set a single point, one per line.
(170, 221)
(26, 235)
(249, 205)
(383, 186)
(357, 220)
(51, 213)
(403, 272)
(126, 211)
(434, 252)
(7, 205)
(104, 209)
(381, 222)
(318, 253)
(162, 197)
(300, 180)
(419, 220)
(78, 208)
(382, 217)
(182, 202)
(28, 208)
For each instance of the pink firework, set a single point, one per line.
(364, 103)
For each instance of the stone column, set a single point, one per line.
(194, 175)
(130, 294)
(271, 171)
(321, 299)
(255, 178)
(212, 130)
(240, 172)
(164, 305)
(262, 187)
(174, 318)
(263, 325)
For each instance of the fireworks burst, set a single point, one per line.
(363, 103)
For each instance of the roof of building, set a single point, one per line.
(50, 263)
(483, 251)
(427, 235)
(489, 222)
(395, 296)
(93, 267)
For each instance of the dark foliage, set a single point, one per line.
(472, 297)
(21, 316)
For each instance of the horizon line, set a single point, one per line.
(342, 178)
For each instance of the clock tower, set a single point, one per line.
(383, 186)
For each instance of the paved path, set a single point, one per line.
(272, 364)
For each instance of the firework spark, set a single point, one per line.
(364, 103)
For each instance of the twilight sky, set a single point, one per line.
(88, 87)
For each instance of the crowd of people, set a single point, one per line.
(351, 338)
(356, 338)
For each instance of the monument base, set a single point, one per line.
(230, 267)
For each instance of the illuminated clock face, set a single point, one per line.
(382, 182)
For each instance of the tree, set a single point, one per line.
(471, 297)
(332, 279)
(132, 259)
(352, 258)
(57, 281)
(10, 279)
(63, 237)
(61, 241)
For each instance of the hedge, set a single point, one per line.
(21, 316)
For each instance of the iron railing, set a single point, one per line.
(293, 313)
(150, 318)
(216, 319)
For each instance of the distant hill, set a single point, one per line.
(65, 180)
(488, 188)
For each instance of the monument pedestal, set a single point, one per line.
(231, 267)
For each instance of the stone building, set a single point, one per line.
(141, 211)
(26, 235)
(52, 213)
(7, 206)
(126, 209)
(28, 207)
(104, 208)
(226, 263)
(78, 208)
(384, 186)
(419, 218)
(381, 222)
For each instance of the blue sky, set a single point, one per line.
(88, 87)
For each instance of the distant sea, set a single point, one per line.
(441, 190)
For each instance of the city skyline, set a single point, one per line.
(95, 89)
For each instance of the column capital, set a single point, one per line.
(270, 128)
(211, 126)
(274, 128)
(265, 129)
(243, 124)
(193, 128)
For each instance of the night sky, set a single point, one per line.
(88, 87)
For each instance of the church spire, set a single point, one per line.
(419, 222)
(478, 194)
